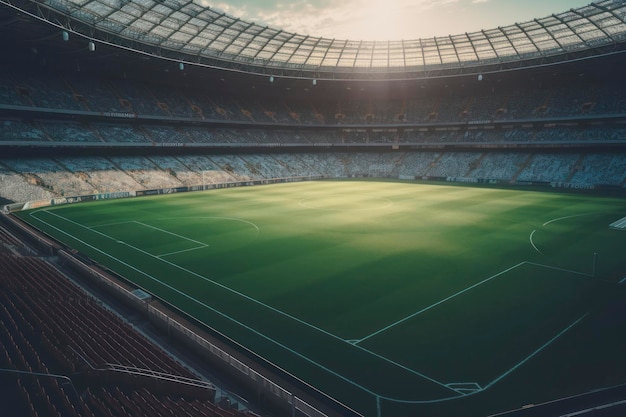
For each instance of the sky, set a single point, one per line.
(388, 19)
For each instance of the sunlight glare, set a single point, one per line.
(378, 21)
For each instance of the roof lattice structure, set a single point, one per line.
(186, 31)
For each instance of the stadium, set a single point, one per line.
(203, 216)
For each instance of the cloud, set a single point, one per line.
(348, 19)
(231, 9)
(384, 19)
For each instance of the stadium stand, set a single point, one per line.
(66, 176)
(50, 328)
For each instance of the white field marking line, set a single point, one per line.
(244, 296)
(475, 385)
(170, 218)
(567, 217)
(234, 219)
(405, 368)
(107, 224)
(560, 269)
(623, 280)
(555, 220)
(199, 302)
(181, 251)
(202, 245)
(498, 379)
(410, 316)
(533, 243)
(170, 233)
(542, 347)
(206, 245)
(305, 357)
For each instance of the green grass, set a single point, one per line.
(372, 289)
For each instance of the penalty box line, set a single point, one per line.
(245, 326)
(201, 245)
(410, 316)
(391, 362)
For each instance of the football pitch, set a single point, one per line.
(394, 298)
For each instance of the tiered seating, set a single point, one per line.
(573, 101)
(50, 326)
(600, 169)
(99, 173)
(146, 173)
(442, 104)
(7, 238)
(293, 165)
(139, 402)
(603, 133)
(501, 166)
(8, 92)
(166, 172)
(549, 167)
(331, 165)
(61, 304)
(417, 164)
(44, 89)
(70, 132)
(140, 98)
(201, 135)
(19, 187)
(355, 137)
(290, 137)
(206, 171)
(558, 134)
(50, 175)
(165, 134)
(320, 137)
(305, 112)
(235, 166)
(120, 133)
(172, 101)
(456, 164)
(17, 130)
(43, 178)
(95, 95)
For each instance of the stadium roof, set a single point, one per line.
(182, 30)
